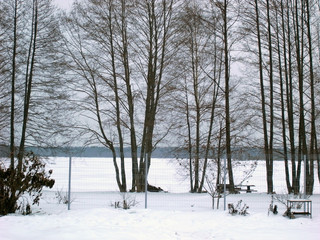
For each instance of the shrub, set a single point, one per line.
(240, 209)
(62, 196)
(15, 184)
(126, 203)
(272, 207)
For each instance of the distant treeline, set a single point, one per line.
(160, 152)
(93, 151)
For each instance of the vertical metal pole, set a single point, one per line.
(146, 183)
(305, 176)
(224, 183)
(69, 184)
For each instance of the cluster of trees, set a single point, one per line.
(29, 76)
(206, 76)
(284, 38)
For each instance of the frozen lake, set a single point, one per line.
(175, 215)
(98, 174)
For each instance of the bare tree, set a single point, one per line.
(227, 9)
(32, 31)
(153, 33)
(199, 86)
(91, 48)
(269, 146)
(202, 67)
(282, 31)
(105, 40)
(33, 23)
(4, 87)
(313, 152)
(282, 91)
(13, 86)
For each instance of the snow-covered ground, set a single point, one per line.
(175, 214)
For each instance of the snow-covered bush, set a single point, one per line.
(240, 209)
(15, 184)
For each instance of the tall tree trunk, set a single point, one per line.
(189, 139)
(146, 147)
(28, 81)
(289, 82)
(216, 87)
(123, 184)
(299, 43)
(263, 102)
(126, 66)
(156, 46)
(227, 93)
(219, 154)
(283, 118)
(269, 160)
(313, 132)
(285, 42)
(195, 76)
(106, 141)
(13, 86)
(13, 198)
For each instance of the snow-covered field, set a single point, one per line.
(175, 214)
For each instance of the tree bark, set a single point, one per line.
(313, 133)
(157, 37)
(283, 118)
(189, 139)
(289, 92)
(299, 43)
(123, 184)
(269, 162)
(216, 87)
(263, 101)
(227, 93)
(28, 81)
(13, 87)
(126, 66)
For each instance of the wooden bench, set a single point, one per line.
(237, 188)
(220, 188)
(299, 207)
(246, 188)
